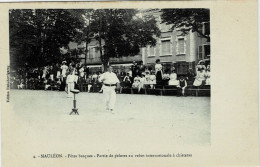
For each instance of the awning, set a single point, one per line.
(93, 66)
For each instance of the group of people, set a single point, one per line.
(54, 76)
(68, 76)
(64, 76)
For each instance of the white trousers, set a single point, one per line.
(70, 87)
(110, 96)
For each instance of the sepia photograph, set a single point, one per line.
(129, 84)
(145, 69)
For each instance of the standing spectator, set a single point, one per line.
(142, 68)
(51, 72)
(56, 70)
(158, 72)
(44, 72)
(135, 69)
(64, 69)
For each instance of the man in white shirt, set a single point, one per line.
(110, 81)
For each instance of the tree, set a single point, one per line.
(121, 32)
(187, 19)
(36, 36)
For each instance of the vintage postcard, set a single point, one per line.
(129, 83)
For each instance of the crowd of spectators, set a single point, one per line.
(66, 76)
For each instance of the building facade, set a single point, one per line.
(173, 49)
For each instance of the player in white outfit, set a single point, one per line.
(71, 78)
(110, 81)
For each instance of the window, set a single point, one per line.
(92, 51)
(206, 50)
(166, 47)
(206, 28)
(152, 51)
(203, 51)
(181, 45)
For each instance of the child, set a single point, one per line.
(182, 85)
(152, 79)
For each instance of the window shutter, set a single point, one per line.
(94, 52)
(148, 51)
(200, 52)
(177, 46)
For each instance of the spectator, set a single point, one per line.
(199, 78)
(165, 78)
(158, 72)
(21, 84)
(64, 69)
(173, 79)
(152, 79)
(127, 81)
(51, 73)
(89, 82)
(47, 84)
(190, 75)
(182, 86)
(136, 84)
(207, 75)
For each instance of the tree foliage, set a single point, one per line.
(122, 31)
(187, 19)
(36, 36)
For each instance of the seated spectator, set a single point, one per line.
(207, 75)
(173, 79)
(21, 84)
(165, 78)
(94, 76)
(89, 82)
(47, 84)
(152, 79)
(199, 78)
(182, 85)
(136, 83)
(147, 78)
(127, 81)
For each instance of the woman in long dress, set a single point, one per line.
(207, 75)
(158, 72)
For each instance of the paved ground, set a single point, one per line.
(141, 121)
